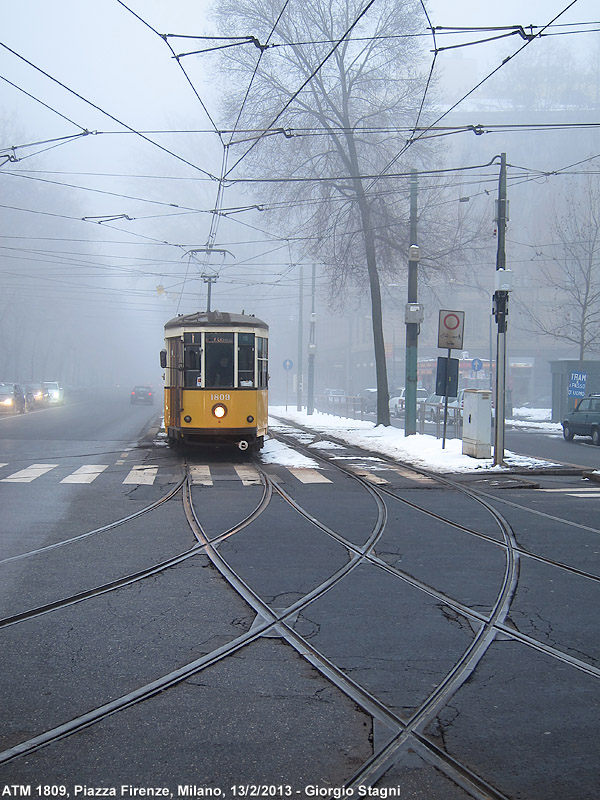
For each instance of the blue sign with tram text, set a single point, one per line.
(288, 363)
(577, 384)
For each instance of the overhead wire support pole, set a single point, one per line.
(299, 373)
(312, 347)
(412, 317)
(500, 310)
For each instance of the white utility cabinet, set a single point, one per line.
(477, 423)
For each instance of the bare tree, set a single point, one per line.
(571, 271)
(362, 92)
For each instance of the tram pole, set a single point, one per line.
(500, 310)
(209, 279)
(300, 346)
(412, 318)
(312, 348)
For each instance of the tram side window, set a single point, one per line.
(262, 352)
(219, 360)
(245, 360)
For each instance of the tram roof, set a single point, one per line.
(216, 318)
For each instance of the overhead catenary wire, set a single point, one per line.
(411, 141)
(103, 111)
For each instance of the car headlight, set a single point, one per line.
(7, 402)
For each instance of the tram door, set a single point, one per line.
(174, 399)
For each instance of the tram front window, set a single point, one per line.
(219, 360)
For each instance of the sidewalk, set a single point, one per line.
(421, 450)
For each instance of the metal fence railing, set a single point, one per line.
(358, 408)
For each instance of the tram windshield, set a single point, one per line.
(219, 360)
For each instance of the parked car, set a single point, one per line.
(334, 395)
(369, 397)
(142, 394)
(584, 420)
(397, 400)
(458, 402)
(12, 399)
(434, 407)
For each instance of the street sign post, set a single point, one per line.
(451, 328)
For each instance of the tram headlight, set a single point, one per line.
(187, 418)
(219, 411)
(249, 418)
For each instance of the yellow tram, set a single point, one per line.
(216, 376)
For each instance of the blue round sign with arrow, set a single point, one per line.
(476, 364)
(288, 363)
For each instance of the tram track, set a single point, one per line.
(476, 494)
(401, 731)
(102, 529)
(492, 625)
(269, 621)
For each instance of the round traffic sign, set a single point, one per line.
(288, 363)
(451, 321)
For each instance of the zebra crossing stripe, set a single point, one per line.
(369, 476)
(413, 476)
(29, 474)
(248, 475)
(142, 475)
(306, 475)
(85, 474)
(201, 475)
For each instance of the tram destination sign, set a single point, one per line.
(451, 329)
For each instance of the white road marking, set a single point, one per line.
(201, 475)
(248, 475)
(413, 476)
(85, 474)
(142, 475)
(368, 476)
(306, 475)
(573, 489)
(29, 474)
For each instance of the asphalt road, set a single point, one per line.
(521, 718)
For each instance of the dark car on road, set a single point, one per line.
(142, 394)
(12, 399)
(584, 420)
